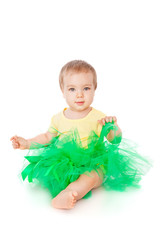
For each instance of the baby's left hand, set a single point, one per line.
(108, 119)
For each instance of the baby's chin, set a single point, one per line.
(80, 108)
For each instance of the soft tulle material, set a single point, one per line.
(57, 164)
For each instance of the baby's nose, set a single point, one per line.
(79, 93)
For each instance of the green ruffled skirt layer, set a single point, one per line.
(64, 159)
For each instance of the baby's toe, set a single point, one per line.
(74, 194)
(72, 205)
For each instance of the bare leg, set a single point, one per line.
(78, 189)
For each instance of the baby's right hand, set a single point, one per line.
(19, 143)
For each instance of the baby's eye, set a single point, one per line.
(72, 89)
(86, 88)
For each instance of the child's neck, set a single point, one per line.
(71, 114)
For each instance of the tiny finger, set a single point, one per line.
(106, 119)
(15, 144)
(15, 138)
(114, 119)
(110, 119)
(100, 122)
(12, 138)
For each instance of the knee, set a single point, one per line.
(94, 177)
(98, 178)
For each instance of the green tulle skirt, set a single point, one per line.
(57, 164)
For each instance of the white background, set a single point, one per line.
(121, 40)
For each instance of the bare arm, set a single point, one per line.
(42, 138)
(22, 143)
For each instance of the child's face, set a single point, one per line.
(78, 90)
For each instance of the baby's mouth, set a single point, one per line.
(80, 103)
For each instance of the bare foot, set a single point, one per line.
(65, 199)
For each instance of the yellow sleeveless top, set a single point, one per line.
(84, 125)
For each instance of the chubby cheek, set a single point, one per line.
(90, 96)
(70, 98)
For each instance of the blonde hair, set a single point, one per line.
(77, 66)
